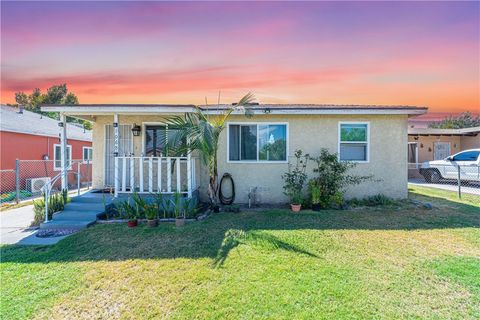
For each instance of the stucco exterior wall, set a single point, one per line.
(388, 154)
(470, 142)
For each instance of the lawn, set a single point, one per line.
(400, 261)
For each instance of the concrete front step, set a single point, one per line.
(86, 206)
(76, 215)
(65, 224)
(88, 199)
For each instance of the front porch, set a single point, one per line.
(147, 175)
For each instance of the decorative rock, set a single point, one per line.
(427, 206)
(54, 233)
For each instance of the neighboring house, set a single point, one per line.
(254, 150)
(427, 144)
(31, 137)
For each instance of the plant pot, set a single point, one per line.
(316, 207)
(179, 222)
(296, 207)
(152, 223)
(132, 223)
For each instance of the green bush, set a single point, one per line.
(332, 179)
(295, 178)
(56, 202)
(372, 201)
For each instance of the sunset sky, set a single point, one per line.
(411, 53)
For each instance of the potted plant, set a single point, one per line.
(131, 214)
(315, 194)
(151, 215)
(295, 179)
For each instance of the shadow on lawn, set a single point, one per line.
(215, 237)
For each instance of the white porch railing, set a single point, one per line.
(166, 175)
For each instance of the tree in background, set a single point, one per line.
(57, 94)
(465, 120)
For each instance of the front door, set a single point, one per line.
(441, 150)
(125, 148)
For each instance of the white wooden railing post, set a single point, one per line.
(189, 174)
(150, 174)
(132, 174)
(159, 174)
(141, 172)
(179, 188)
(169, 174)
(124, 174)
(116, 177)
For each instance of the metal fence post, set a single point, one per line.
(88, 174)
(78, 178)
(17, 180)
(459, 181)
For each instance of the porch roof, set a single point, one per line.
(473, 131)
(259, 109)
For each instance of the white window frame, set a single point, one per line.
(258, 144)
(83, 155)
(55, 168)
(416, 155)
(353, 142)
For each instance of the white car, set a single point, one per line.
(467, 161)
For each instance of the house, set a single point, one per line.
(127, 154)
(33, 138)
(427, 144)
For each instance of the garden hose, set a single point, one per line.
(226, 200)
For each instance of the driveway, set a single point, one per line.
(470, 188)
(14, 228)
(14, 224)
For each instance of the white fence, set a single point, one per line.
(155, 175)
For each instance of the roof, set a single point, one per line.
(92, 109)
(33, 123)
(447, 132)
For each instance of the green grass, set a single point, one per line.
(399, 261)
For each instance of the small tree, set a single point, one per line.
(332, 178)
(201, 131)
(295, 178)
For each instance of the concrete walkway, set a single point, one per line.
(15, 228)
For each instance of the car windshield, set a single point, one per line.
(467, 156)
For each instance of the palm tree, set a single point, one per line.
(200, 131)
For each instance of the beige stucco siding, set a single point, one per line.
(388, 153)
(426, 144)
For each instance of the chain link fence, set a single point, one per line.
(26, 180)
(459, 178)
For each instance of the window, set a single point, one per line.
(354, 139)
(257, 142)
(57, 151)
(467, 156)
(87, 154)
(156, 137)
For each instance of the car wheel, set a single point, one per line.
(435, 176)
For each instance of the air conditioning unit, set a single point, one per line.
(35, 185)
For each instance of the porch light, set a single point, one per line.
(136, 130)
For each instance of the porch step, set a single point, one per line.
(65, 224)
(77, 215)
(80, 213)
(88, 199)
(84, 206)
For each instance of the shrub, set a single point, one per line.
(373, 201)
(332, 179)
(151, 212)
(295, 178)
(56, 202)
